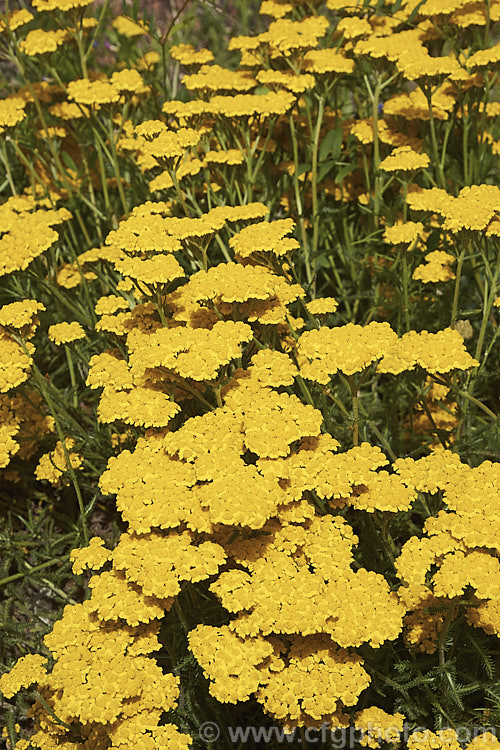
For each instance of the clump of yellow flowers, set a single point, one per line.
(251, 306)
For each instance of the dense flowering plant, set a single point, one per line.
(249, 306)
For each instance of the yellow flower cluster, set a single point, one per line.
(440, 413)
(23, 424)
(186, 55)
(310, 679)
(64, 333)
(28, 670)
(404, 234)
(264, 237)
(438, 352)
(459, 540)
(196, 353)
(474, 209)
(20, 315)
(215, 78)
(435, 268)
(70, 275)
(15, 363)
(12, 111)
(103, 680)
(377, 726)
(40, 42)
(404, 159)
(52, 465)
(351, 348)
(97, 93)
(227, 476)
(26, 232)
(128, 27)
(348, 349)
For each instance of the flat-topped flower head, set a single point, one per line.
(275, 421)
(128, 27)
(245, 106)
(474, 14)
(275, 8)
(62, 5)
(142, 407)
(436, 267)
(276, 80)
(353, 28)
(64, 333)
(439, 352)
(143, 234)
(264, 237)
(195, 353)
(348, 349)
(322, 306)
(28, 670)
(414, 106)
(71, 275)
(431, 8)
(157, 141)
(128, 80)
(12, 111)
(15, 19)
(483, 58)
(377, 726)
(187, 55)
(445, 739)
(54, 464)
(92, 93)
(424, 67)
(18, 315)
(110, 304)
(473, 209)
(249, 292)
(285, 37)
(434, 200)
(270, 368)
(230, 156)
(405, 233)
(404, 159)
(325, 61)
(40, 42)
(213, 78)
(15, 363)
(161, 269)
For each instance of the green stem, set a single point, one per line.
(478, 403)
(375, 98)
(48, 398)
(406, 299)
(456, 293)
(444, 632)
(465, 149)
(383, 440)
(116, 166)
(159, 308)
(81, 51)
(314, 183)
(104, 182)
(5, 159)
(71, 370)
(298, 201)
(432, 123)
(355, 409)
(163, 42)
(17, 576)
